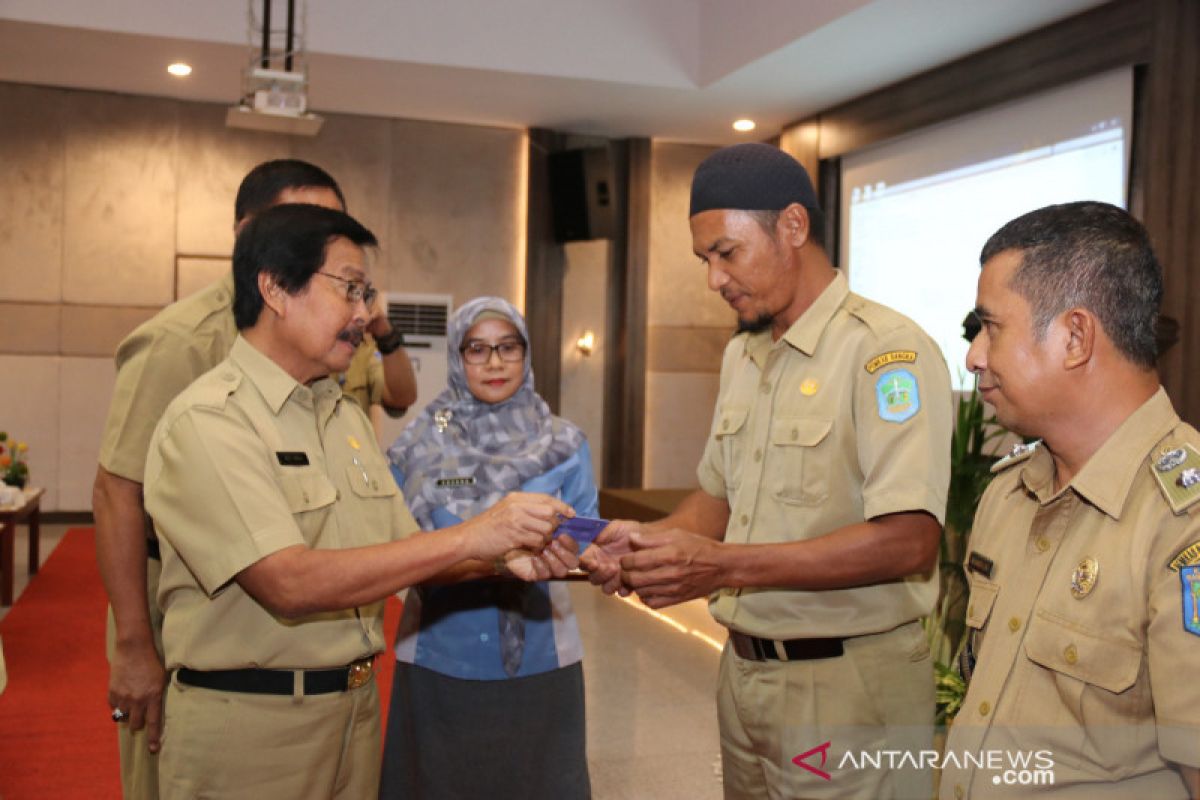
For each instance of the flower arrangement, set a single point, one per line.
(14, 471)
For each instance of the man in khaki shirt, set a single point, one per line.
(282, 533)
(154, 364)
(1084, 560)
(822, 490)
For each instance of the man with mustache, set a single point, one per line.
(1084, 563)
(154, 364)
(815, 530)
(282, 532)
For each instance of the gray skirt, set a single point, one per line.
(454, 739)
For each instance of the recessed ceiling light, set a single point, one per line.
(179, 69)
(743, 125)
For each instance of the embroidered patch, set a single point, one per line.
(898, 395)
(893, 357)
(1186, 557)
(1191, 598)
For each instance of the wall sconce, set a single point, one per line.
(586, 343)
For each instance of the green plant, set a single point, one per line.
(970, 473)
(13, 469)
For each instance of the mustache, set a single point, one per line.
(352, 335)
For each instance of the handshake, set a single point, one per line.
(535, 537)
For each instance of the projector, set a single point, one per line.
(274, 101)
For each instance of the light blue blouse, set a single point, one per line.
(454, 630)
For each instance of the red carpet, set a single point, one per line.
(56, 740)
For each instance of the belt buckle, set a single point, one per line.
(360, 673)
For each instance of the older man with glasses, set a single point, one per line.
(282, 533)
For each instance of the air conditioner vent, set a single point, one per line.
(419, 319)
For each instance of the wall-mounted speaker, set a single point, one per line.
(581, 194)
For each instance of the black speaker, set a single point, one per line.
(581, 200)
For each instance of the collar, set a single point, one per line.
(273, 383)
(1108, 475)
(806, 331)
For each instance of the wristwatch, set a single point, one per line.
(390, 342)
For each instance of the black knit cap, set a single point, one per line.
(751, 177)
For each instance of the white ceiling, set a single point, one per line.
(680, 70)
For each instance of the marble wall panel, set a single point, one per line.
(213, 159)
(581, 386)
(686, 349)
(455, 196)
(29, 413)
(120, 199)
(356, 151)
(679, 409)
(97, 330)
(193, 274)
(29, 328)
(31, 174)
(82, 380)
(678, 291)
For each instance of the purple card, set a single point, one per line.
(583, 530)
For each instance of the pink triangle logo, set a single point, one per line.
(823, 749)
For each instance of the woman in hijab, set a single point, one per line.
(487, 697)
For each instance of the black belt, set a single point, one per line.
(756, 649)
(153, 550)
(279, 681)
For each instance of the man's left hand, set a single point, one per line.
(672, 567)
(378, 325)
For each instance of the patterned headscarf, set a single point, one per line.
(500, 446)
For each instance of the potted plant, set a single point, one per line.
(970, 473)
(14, 470)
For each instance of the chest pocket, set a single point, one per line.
(799, 466)
(731, 435)
(983, 597)
(310, 497)
(1080, 653)
(374, 490)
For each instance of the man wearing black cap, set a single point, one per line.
(823, 487)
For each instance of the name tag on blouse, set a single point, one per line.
(453, 483)
(292, 459)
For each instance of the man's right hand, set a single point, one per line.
(135, 685)
(520, 521)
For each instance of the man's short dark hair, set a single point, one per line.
(1087, 255)
(289, 243)
(262, 185)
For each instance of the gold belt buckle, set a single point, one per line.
(360, 673)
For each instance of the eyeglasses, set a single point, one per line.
(355, 290)
(481, 353)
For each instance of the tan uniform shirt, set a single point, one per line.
(247, 462)
(363, 379)
(155, 363)
(1082, 654)
(845, 418)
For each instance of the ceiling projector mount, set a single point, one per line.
(275, 81)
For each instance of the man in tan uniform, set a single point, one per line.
(823, 486)
(282, 533)
(155, 363)
(1084, 556)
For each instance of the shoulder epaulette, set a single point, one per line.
(1019, 453)
(1176, 468)
(213, 390)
